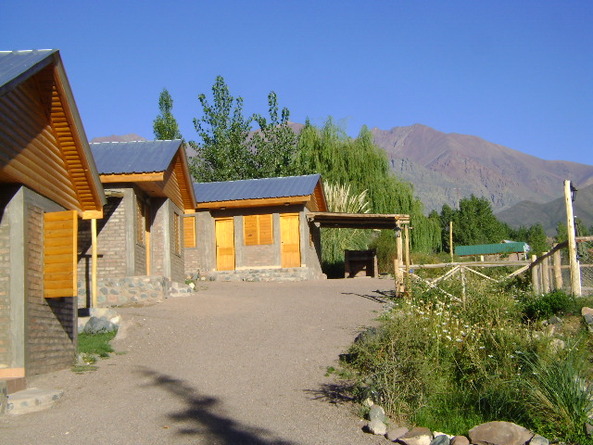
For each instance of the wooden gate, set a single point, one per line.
(225, 244)
(290, 240)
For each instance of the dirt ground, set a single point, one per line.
(235, 363)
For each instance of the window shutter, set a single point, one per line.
(60, 246)
(189, 231)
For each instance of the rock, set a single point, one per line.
(460, 440)
(417, 436)
(441, 439)
(377, 413)
(589, 429)
(539, 440)
(98, 325)
(555, 320)
(588, 318)
(368, 402)
(377, 428)
(586, 311)
(394, 433)
(499, 433)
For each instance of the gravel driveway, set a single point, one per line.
(235, 363)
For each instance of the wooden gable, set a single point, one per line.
(174, 183)
(43, 145)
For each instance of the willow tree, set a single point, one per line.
(363, 165)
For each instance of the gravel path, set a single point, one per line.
(236, 363)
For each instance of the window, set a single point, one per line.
(257, 230)
(189, 231)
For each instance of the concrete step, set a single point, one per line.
(32, 400)
(14, 384)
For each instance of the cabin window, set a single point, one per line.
(257, 230)
(189, 232)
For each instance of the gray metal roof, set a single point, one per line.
(134, 157)
(256, 188)
(15, 66)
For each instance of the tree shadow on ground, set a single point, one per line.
(202, 418)
(336, 393)
(379, 296)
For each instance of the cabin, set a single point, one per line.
(139, 241)
(48, 183)
(255, 229)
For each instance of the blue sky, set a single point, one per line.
(517, 73)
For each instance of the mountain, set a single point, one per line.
(527, 213)
(445, 167)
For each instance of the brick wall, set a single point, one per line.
(111, 247)
(5, 357)
(50, 323)
(177, 257)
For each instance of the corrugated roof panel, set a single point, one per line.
(492, 249)
(14, 64)
(134, 157)
(256, 188)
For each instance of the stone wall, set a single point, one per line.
(130, 290)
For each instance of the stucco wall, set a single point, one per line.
(202, 259)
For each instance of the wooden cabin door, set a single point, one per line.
(290, 240)
(225, 244)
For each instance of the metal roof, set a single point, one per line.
(256, 188)
(16, 66)
(113, 158)
(492, 249)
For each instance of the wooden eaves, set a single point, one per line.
(358, 220)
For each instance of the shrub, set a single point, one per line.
(544, 306)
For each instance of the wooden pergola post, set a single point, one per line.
(397, 263)
(94, 262)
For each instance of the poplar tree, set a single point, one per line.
(165, 126)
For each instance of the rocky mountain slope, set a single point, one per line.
(445, 167)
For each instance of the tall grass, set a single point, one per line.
(449, 363)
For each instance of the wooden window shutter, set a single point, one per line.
(265, 229)
(257, 229)
(60, 246)
(189, 231)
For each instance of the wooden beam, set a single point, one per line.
(133, 177)
(261, 202)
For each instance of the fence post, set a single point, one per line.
(535, 276)
(575, 272)
(546, 274)
(558, 284)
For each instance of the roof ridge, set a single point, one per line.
(260, 179)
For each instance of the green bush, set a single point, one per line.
(96, 344)
(544, 306)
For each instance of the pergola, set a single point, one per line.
(381, 221)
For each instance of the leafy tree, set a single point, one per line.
(165, 126)
(476, 223)
(275, 144)
(223, 153)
